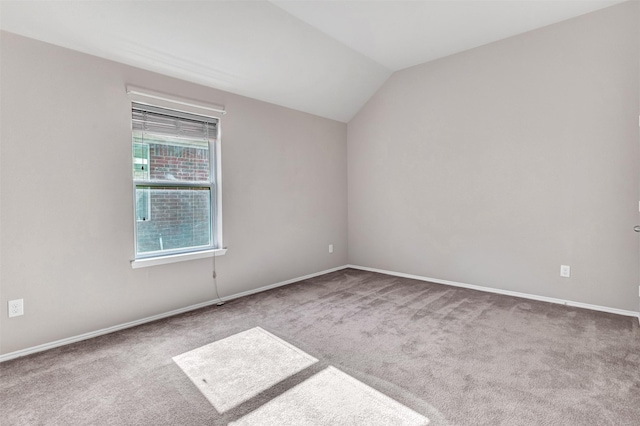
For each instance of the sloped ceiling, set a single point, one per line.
(322, 57)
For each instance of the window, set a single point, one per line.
(174, 181)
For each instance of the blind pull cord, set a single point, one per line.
(215, 282)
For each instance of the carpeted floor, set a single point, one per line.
(456, 356)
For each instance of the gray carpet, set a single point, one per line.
(456, 356)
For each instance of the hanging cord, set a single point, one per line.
(215, 282)
(214, 274)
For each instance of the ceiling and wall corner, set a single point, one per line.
(253, 49)
(324, 58)
(401, 34)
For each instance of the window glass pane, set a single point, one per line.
(171, 159)
(179, 218)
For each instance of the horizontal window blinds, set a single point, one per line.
(151, 120)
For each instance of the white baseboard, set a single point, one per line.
(505, 292)
(89, 335)
(85, 336)
(291, 281)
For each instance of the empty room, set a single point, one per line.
(320, 212)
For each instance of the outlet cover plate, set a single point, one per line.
(16, 308)
(565, 271)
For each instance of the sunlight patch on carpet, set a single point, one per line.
(332, 397)
(235, 369)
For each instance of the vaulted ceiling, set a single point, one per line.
(323, 57)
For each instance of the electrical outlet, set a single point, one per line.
(16, 307)
(565, 271)
(330, 248)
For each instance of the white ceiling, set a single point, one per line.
(401, 34)
(323, 57)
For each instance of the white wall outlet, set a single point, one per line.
(330, 248)
(16, 307)
(565, 271)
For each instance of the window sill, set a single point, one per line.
(173, 258)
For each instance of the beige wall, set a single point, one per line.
(66, 196)
(495, 166)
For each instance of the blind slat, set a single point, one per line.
(159, 121)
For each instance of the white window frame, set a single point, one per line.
(181, 105)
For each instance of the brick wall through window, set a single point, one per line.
(178, 217)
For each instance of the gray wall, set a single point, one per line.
(66, 197)
(495, 166)
(490, 167)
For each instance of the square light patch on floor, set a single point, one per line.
(235, 369)
(332, 397)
